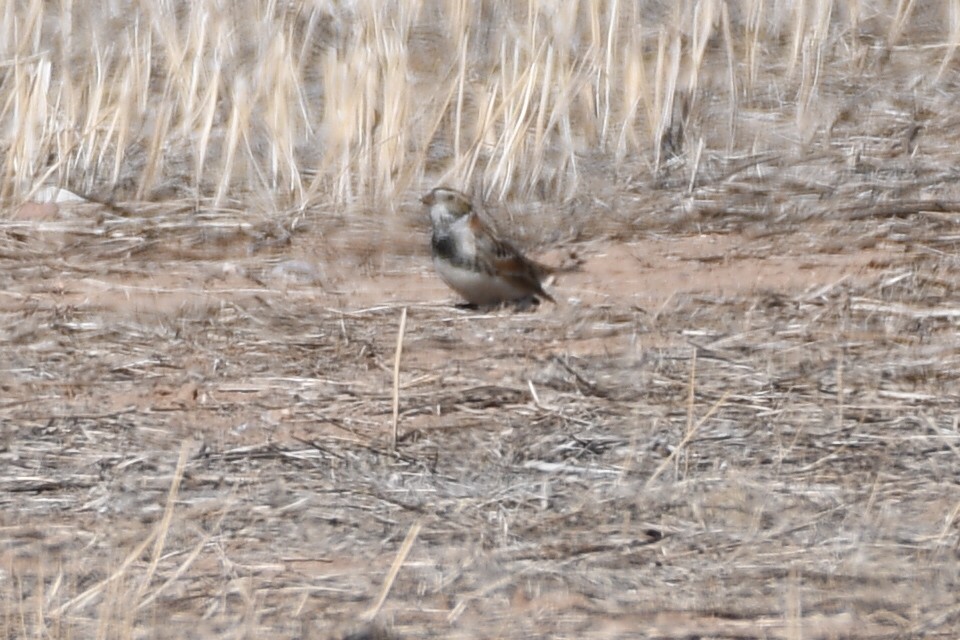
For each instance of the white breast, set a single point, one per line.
(476, 287)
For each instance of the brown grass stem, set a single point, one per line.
(163, 527)
(398, 561)
(692, 427)
(395, 405)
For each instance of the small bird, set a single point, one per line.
(474, 261)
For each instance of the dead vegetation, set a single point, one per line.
(740, 422)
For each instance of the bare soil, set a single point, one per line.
(727, 428)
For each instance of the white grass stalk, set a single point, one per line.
(899, 23)
(704, 19)
(733, 86)
(391, 135)
(30, 120)
(633, 94)
(236, 124)
(668, 73)
(754, 27)
(953, 37)
(798, 36)
(608, 77)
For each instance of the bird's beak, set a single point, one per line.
(428, 199)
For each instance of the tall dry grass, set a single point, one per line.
(297, 103)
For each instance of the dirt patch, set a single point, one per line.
(709, 424)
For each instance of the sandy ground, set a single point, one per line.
(722, 430)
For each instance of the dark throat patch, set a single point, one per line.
(445, 247)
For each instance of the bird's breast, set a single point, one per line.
(455, 244)
(444, 246)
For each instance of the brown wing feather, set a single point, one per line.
(523, 273)
(498, 257)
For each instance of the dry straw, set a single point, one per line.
(395, 405)
(305, 103)
(391, 576)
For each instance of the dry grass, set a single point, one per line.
(237, 404)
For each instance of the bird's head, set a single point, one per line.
(446, 205)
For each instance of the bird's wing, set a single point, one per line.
(499, 257)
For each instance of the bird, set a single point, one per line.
(472, 259)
